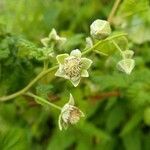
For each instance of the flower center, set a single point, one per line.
(74, 116)
(72, 67)
(71, 114)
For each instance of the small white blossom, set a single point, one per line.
(100, 29)
(127, 63)
(128, 54)
(53, 37)
(69, 115)
(73, 67)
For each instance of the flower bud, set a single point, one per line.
(89, 42)
(126, 65)
(100, 29)
(128, 54)
(55, 39)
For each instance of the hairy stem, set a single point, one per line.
(42, 100)
(38, 77)
(114, 9)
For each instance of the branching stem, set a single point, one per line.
(24, 90)
(118, 48)
(102, 42)
(46, 71)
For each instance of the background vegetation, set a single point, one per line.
(117, 106)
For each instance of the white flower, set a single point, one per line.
(100, 29)
(73, 67)
(69, 115)
(53, 37)
(128, 53)
(127, 63)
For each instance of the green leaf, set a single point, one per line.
(14, 138)
(115, 118)
(135, 21)
(147, 116)
(61, 140)
(133, 141)
(132, 123)
(109, 48)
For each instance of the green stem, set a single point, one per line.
(46, 71)
(42, 100)
(118, 48)
(100, 53)
(114, 9)
(38, 77)
(46, 62)
(101, 42)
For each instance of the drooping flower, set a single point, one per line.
(69, 115)
(53, 38)
(127, 63)
(73, 67)
(100, 29)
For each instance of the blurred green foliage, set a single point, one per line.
(117, 106)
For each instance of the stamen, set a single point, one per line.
(72, 67)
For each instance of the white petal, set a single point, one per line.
(75, 82)
(62, 40)
(60, 72)
(126, 65)
(84, 73)
(86, 63)
(75, 53)
(71, 100)
(45, 41)
(60, 122)
(128, 54)
(53, 34)
(61, 58)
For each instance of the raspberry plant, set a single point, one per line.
(92, 61)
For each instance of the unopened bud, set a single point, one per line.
(100, 29)
(128, 54)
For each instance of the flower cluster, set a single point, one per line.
(73, 67)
